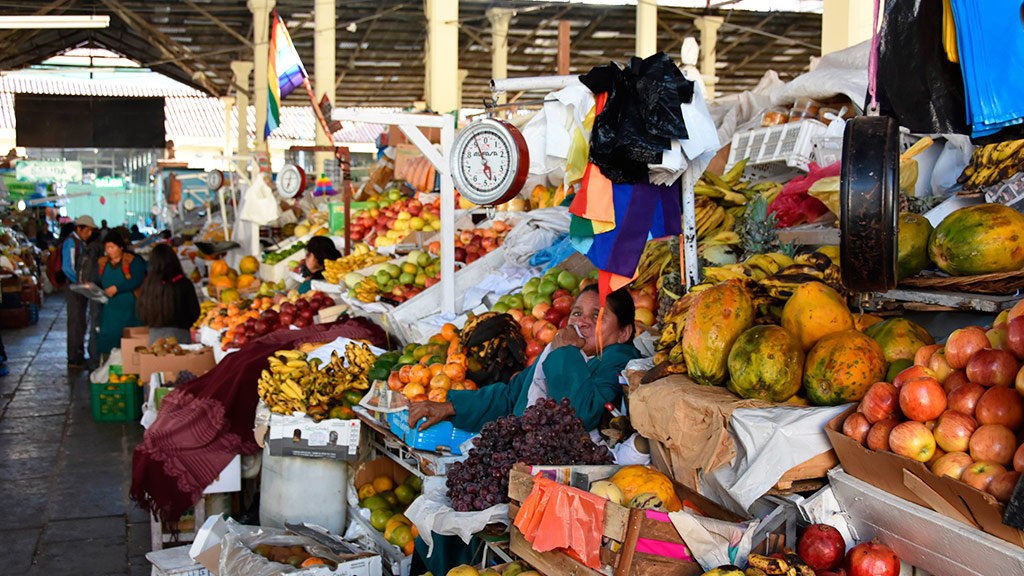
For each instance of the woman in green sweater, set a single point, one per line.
(570, 367)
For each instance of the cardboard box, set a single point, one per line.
(229, 479)
(197, 362)
(397, 137)
(130, 339)
(175, 562)
(913, 481)
(367, 471)
(302, 436)
(404, 154)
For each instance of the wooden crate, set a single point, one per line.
(623, 529)
(813, 469)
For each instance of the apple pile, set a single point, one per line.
(387, 224)
(542, 307)
(645, 304)
(294, 310)
(397, 281)
(959, 408)
(471, 245)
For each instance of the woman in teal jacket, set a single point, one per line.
(120, 275)
(570, 367)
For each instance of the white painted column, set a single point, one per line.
(261, 45)
(242, 70)
(324, 50)
(845, 23)
(442, 55)
(500, 18)
(646, 28)
(708, 26)
(229, 106)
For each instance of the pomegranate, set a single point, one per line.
(822, 547)
(872, 559)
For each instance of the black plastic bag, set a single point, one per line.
(640, 117)
(917, 84)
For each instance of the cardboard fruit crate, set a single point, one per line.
(629, 533)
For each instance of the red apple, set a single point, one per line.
(924, 354)
(872, 559)
(540, 310)
(1017, 310)
(1018, 382)
(922, 399)
(534, 348)
(913, 373)
(554, 316)
(881, 401)
(563, 323)
(856, 426)
(993, 443)
(1003, 485)
(878, 435)
(963, 343)
(957, 378)
(939, 453)
(991, 367)
(1000, 405)
(560, 292)
(562, 303)
(516, 314)
(1018, 459)
(1015, 337)
(953, 431)
(940, 366)
(546, 332)
(980, 474)
(913, 440)
(952, 464)
(964, 398)
(301, 322)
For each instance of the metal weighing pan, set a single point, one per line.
(216, 248)
(869, 204)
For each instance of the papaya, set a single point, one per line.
(980, 239)
(636, 479)
(912, 255)
(715, 319)
(766, 363)
(899, 338)
(814, 311)
(841, 367)
(864, 321)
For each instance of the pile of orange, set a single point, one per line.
(430, 378)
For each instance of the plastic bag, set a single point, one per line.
(844, 72)
(101, 375)
(238, 559)
(538, 230)
(794, 205)
(554, 516)
(259, 205)
(917, 84)
(709, 539)
(432, 514)
(955, 155)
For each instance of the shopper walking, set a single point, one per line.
(120, 275)
(90, 269)
(71, 266)
(167, 301)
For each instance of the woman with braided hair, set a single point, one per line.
(571, 366)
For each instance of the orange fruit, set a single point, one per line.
(405, 373)
(449, 332)
(469, 385)
(455, 372)
(437, 395)
(313, 562)
(395, 382)
(410, 548)
(441, 381)
(458, 386)
(383, 483)
(436, 369)
(420, 374)
(419, 398)
(414, 389)
(457, 358)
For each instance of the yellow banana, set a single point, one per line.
(770, 566)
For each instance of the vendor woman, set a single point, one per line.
(571, 366)
(319, 250)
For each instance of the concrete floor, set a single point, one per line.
(64, 478)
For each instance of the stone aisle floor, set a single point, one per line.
(63, 477)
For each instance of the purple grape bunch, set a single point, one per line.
(547, 433)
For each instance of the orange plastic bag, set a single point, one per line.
(556, 516)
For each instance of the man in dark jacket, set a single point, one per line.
(90, 269)
(71, 264)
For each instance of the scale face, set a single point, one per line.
(189, 204)
(489, 162)
(291, 180)
(214, 179)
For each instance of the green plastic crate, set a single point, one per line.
(116, 402)
(336, 214)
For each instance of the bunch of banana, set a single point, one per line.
(728, 191)
(294, 383)
(204, 310)
(791, 565)
(757, 268)
(366, 290)
(361, 257)
(711, 218)
(656, 257)
(670, 346)
(992, 164)
(813, 267)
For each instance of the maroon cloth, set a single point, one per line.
(204, 423)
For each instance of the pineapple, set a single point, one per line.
(757, 228)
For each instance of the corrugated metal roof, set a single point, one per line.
(187, 112)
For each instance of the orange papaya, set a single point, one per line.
(715, 319)
(766, 363)
(980, 239)
(841, 367)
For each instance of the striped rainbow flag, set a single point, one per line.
(285, 73)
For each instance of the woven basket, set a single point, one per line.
(1001, 283)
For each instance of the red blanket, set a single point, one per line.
(206, 422)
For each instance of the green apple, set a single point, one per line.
(413, 257)
(392, 270)
(407, 278)
(420, 280)
(382, 277)
(547, 287)
(423, 260)
(515, 301)
(500, 308)
(532, 284)
(567, 280)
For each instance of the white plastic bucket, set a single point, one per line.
(303, 490)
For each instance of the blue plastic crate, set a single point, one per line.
(441, 437)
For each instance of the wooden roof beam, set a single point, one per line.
(220, 23)
(537, 28)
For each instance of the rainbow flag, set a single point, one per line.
(285, 73)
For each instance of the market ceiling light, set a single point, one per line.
(37, 22)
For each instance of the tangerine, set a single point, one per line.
(437, 395)
(419, 398)
(420, 374)
(436, 369)
(414, 389)
(455, 372)
(441, 381)
(469, 385)
(405, 373)
(383, 483)
(457, 358)
(449, 332)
